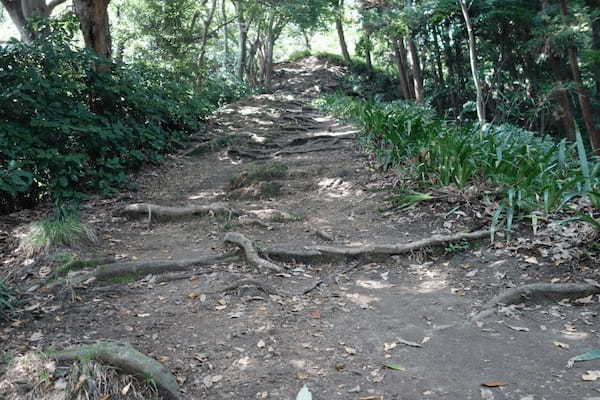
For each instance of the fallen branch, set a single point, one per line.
(156, 211)
(250, 251)
(124, 357)
(536, 292)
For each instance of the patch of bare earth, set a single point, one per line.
(372, 324)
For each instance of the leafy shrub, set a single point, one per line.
(70, 127)
(534, 174)
(299, 54)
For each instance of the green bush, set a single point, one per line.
(70, 127)
(534, 175)
(299, 54)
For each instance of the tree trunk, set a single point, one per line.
(93, 19)
(242, 40)
(416, 70)
(21, 10)
(225, 29)
(438, 58)
(584, 101)
(595, 23)
(339, 26)
(368, 57)
(401, 66)
(473, 59)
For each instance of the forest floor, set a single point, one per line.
(349, 328)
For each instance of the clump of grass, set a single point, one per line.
(260, 172)
(64, 229)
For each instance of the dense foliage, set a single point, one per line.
(533, 176)
(70, 127)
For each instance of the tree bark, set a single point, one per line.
(473, 59)
(339, 26)
(401, 66)
(93, 19)
(225, 29)
(417, 74)
(242, 40)
(584, 101)
(21, 10)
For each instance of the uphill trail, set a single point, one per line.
(308, 279)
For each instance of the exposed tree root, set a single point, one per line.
(250, 251)
(143, 268)
(301, 141)
(139, 269)
(536, 292)
(309, 150)
(161, 212)
(125, 357)
(315, 254)
(253, 154)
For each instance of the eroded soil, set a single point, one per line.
(337, 339)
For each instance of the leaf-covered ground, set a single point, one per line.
(389, 328)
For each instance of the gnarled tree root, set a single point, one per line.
(250, 251)
(162, 212)
(536, 292)
(315, 254)
(124, 357)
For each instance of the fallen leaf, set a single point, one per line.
(395, 367)
(561, 345)
(494, 384)
(591, 376)
(260, 344)
(304, 394)
(193, 295)
(220, 308)
(532, 260)
(590, 355)
(125, 390)
(350, 350)
(315, 315)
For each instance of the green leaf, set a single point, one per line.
(590, 355)
(304, 394)
(395, 367)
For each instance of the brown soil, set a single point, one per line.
(244, 343)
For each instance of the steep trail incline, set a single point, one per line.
(348, 327)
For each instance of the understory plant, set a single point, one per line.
(534, 175)
(73, 122)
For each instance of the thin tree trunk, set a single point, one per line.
(473, 59)
(339, 26)
(416, 70)
(20, 11)
(438, 58)
(243, 39)
(584, 101)
(225, 29)
(368, 57)
(401, 66)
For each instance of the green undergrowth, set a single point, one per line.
(534, 176)
(74, 123)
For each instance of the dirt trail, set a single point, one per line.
(411, 310)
